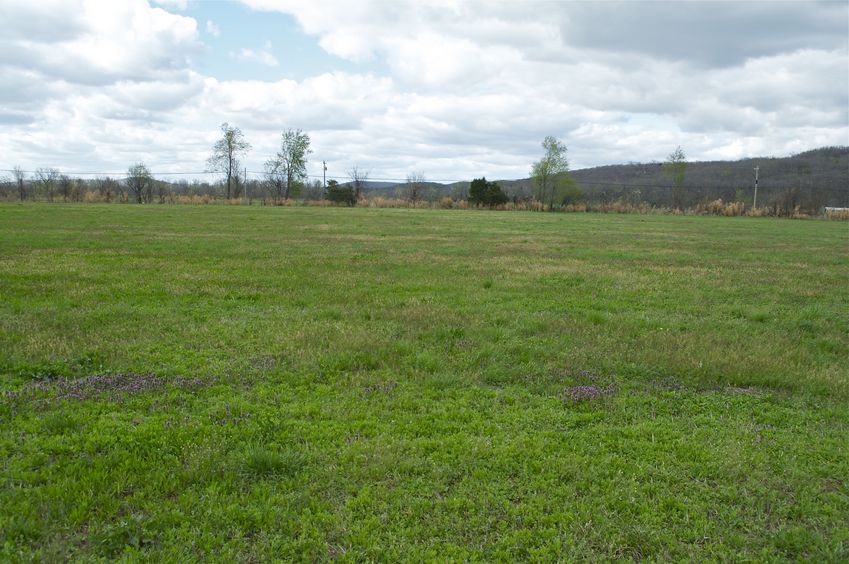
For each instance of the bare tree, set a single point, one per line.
(20, 177)
(415, 186)
(46, 180)
(275, 177)
(140, 181)
(80, 189)
(107, 187)
(358, 181)
(226, 152)
(161, 189)
(314, 190)
(289, 167)
(66, 184)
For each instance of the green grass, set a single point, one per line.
(234, 383)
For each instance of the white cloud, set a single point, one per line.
(262, 56)
(213, 29)
(173, 4)
(699, 74)
(97, 42)
(471, 87)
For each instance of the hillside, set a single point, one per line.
(815, 178)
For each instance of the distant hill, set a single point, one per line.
(813, 178)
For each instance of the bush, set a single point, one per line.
(341, 194)
(484, 193)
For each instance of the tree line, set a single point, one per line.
(551, 185)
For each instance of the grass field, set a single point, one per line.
(235, 383)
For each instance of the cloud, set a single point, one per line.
(620, 81)
(173, 4)
(706, 34)
(463, 88)
(262, 56)
(212, 29)
(90, 44)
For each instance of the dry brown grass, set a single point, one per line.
(842, 214)
(627, 207)
(195, 199)
(799, 214)
(91, 197)
(381, 202)
(718, 207)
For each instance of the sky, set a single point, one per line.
(451, 89)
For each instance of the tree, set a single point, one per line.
(546, 171)
(568, 191)
(46, 180)
(288, 170)
(314, 191)
(415, 186)
(341, 194)
(161, 188)
(275, 177)
(107, 187)
(66, 184)
(485, 193)
(675, 169)
(358, 181)
(20, 177)
(140, 181)
(226, 152)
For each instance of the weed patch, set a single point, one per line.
(110, 387)
(265, 462)
(586, 393)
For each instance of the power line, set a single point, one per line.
(206, 172)
(398, 180)
(587, 183)
(122, 173)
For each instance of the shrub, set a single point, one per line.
(485, 193)
(339, 194)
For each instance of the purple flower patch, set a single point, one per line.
(113, 386)
(586, 393)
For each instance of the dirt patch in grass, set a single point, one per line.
(667, 384)
(588, 386)
(103, 386)
(380, 387)
(744, 390)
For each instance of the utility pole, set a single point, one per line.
(324, 175)
(755, 204)
(246, 186)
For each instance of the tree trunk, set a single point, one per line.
(288, 185)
